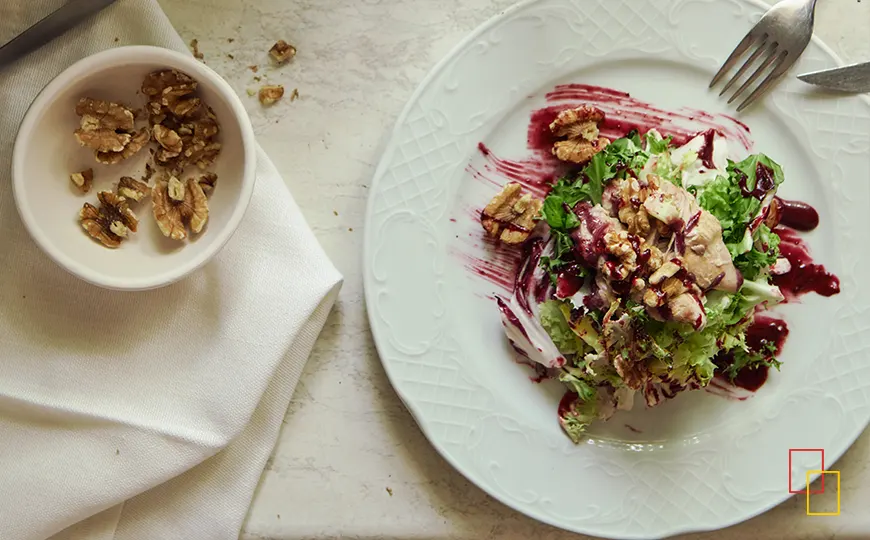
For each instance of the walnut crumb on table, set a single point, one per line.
(271, 93)
(282, 51)
(194, 47)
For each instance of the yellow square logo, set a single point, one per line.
(808, 492)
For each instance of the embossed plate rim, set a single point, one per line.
(379, 332)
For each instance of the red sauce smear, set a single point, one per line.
(625, 113)
(804, 276)
(764, 331)
(498, 263)
(797, 215)
(764, 182)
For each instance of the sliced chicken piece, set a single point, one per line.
(699, 237)
(706, 256)
(687, 308)
(595, 223)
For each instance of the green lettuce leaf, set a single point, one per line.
(553, 320)
(761, 256)
(575, 380)
(724, 199)
(576, 418)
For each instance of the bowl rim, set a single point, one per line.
(95, 63)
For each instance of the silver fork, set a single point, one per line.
(778, 39)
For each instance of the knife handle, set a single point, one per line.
(50, 27)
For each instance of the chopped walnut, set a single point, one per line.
(149, 172)
(103, 140)
(156, 82)
(175, 189)
(270, 93)
(132, 189)
(184, 127)
(203, 154)
(282, 51)
(636, 219)
(510, 215)
(673, 287)
(618, 244)
(173, 214)
(97, 114)
(207, 182)
(194, 48)
(579, 128)
(83, 180)
(629, 195)
(106, 128)
(111, 222)
(137, 142)
(169, 141)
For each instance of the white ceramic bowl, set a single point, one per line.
(46, 153)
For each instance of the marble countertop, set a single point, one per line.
(351, 462)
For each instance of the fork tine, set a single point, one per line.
(744, 67)
(770, 57)
(732, 59)
(779, 69)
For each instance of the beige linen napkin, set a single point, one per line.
(145, 415)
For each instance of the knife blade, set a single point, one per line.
(50, 27)
(853, 78)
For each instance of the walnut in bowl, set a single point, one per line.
(47, 154)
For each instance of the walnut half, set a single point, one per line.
(510, 215)
(112, 222)
(177, 205)
(107, 128)
(579, 127)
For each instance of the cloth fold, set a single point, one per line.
(145, 415)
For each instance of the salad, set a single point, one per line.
(645, 266)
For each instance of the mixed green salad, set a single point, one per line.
(655, 260)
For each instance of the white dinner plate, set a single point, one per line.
(700, 461)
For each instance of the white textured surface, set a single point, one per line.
(347, 436)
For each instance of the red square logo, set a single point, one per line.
(802, 473)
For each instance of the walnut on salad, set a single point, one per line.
(645, 265)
